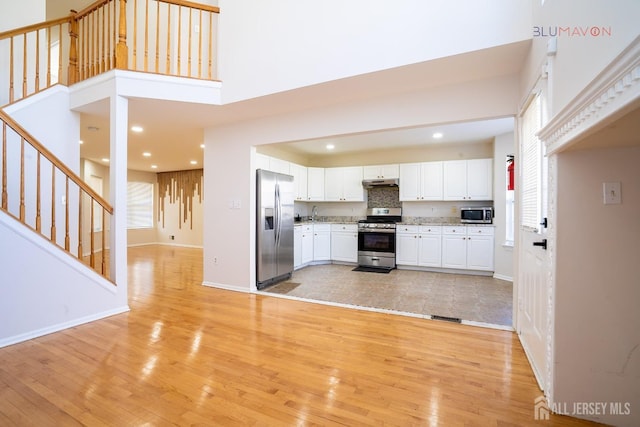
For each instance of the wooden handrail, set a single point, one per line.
(99, 39)
(87, 10)
(54, 161)
(205, 7)
(34, 27)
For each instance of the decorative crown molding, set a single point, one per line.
(615, 88)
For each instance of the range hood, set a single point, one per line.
(370, 183)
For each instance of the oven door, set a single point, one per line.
(377, 242)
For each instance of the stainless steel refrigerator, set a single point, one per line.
(274, 233)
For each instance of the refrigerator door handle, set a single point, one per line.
(277, 215)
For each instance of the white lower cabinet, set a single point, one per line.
(344, 242)
(430, 246)
(468, 247)
(321, 242)
(418, 245)
(480, 248)
(303, 240)
(455, 247)
(297, 246)
(407, 245)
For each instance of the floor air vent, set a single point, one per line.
(447, 319)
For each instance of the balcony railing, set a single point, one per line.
(169, 37)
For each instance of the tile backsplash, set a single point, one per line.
(384, 197)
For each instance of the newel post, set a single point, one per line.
(122, 52)
(72, 72)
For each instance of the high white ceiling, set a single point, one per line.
(453, 133)
(173, 131)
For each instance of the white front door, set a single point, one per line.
(533, 302)
(533, 296)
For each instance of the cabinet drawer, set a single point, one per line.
(407, 229)
(304, 227)
(480, 231)
(431, 229)
(344, 227)
(321, 227)
(458, 230)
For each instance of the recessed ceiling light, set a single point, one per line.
(193, 162)
(146, 154)
(201, 145)
(154, 166)
(136, 128)
(81, 142)
(105, 160)
(330, 146)
(438, 135)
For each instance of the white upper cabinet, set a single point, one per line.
(480, 179)
(279, 166)
(468, 179)
(344, 184)
(420, 181)
(299, 181)
(315, 184)
(272, 164)
(381, 172)
(262, 161)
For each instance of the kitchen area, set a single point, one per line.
(417, 238)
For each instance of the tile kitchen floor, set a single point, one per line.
(471, 298)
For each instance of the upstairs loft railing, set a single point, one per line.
(45, 195)
(168, 37)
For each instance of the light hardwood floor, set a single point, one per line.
(192, 355)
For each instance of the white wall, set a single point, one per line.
(580, 58)
(228, 233)
(268, 47)
(44, 289)
(503, 145)
(597, 289)
(16, 14)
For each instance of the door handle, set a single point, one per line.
(543, 244)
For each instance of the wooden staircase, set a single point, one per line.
(168, 37)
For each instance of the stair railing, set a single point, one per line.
(33, 58)
(168, 37)
(35, 182)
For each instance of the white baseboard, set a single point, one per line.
(503, 277)
(226, 287)
(61, 326)
(165, 244)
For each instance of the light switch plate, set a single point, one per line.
(611, 193)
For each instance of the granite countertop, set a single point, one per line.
(331, 220)
(446, 224)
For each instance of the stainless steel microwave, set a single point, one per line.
(482, 215)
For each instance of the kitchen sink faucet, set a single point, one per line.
(314, 213)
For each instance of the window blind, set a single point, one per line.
(531, 159)
(139, 205)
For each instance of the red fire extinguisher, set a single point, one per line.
(510, 185)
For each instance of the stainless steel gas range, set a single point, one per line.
(377, 238)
